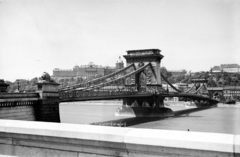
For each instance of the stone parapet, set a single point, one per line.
(21, 138)
(18, 95)
(18, 113)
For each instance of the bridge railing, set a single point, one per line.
(99, 89)
(130, 90)
(119, 78)
(113, 81)
(97, 93)
(18, 99)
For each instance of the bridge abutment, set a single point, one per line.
(144, 107)
(47, 108)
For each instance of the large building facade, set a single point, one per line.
(229, 68)
(86, 71)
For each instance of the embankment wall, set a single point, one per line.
(18, 113)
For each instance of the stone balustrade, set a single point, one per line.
(18, 99)
(22, 138)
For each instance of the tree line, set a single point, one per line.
(22, 85)
(213, 80)
(220, 79)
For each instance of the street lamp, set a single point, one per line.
(18, 85)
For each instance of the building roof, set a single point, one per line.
(216, 68)
(119, 60)
(144, 50)
(229, 66)
(141, 51)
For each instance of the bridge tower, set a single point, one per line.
(146, 80)
(143, 57)
(200, 86)
(150, 78)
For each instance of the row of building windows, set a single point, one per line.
(231, 92)
(231, 68)
(90, 70)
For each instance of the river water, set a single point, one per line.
(221, 119)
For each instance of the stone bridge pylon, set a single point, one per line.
(143, 57)
(144, 81)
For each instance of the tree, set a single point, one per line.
(165, 73)
(171, 80)
(179, 78)
(234, 81)
(211, 82)
(34, 81)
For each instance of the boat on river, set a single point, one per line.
(230, 101)
(190, 104)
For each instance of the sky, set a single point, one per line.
(37, 36)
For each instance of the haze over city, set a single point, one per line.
(38, 36)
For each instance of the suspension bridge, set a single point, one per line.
(139, 85)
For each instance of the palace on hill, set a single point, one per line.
(229, 68)
(86, 71)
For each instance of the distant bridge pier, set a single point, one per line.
(153, 102)
(159, 102)
(144, 107)
(147, 80)
(200, 103)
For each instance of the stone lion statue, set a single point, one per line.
(46, 77)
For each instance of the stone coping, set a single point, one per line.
(216, 142)
(18, 99)
(19, 95)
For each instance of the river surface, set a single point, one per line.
(221, 119)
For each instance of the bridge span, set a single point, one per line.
(138, 84)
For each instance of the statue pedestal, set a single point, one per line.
(48, 106)
(46, 89)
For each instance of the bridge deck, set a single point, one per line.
(66, 97)
(109, 97)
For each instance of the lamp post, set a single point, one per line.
(18, 85)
